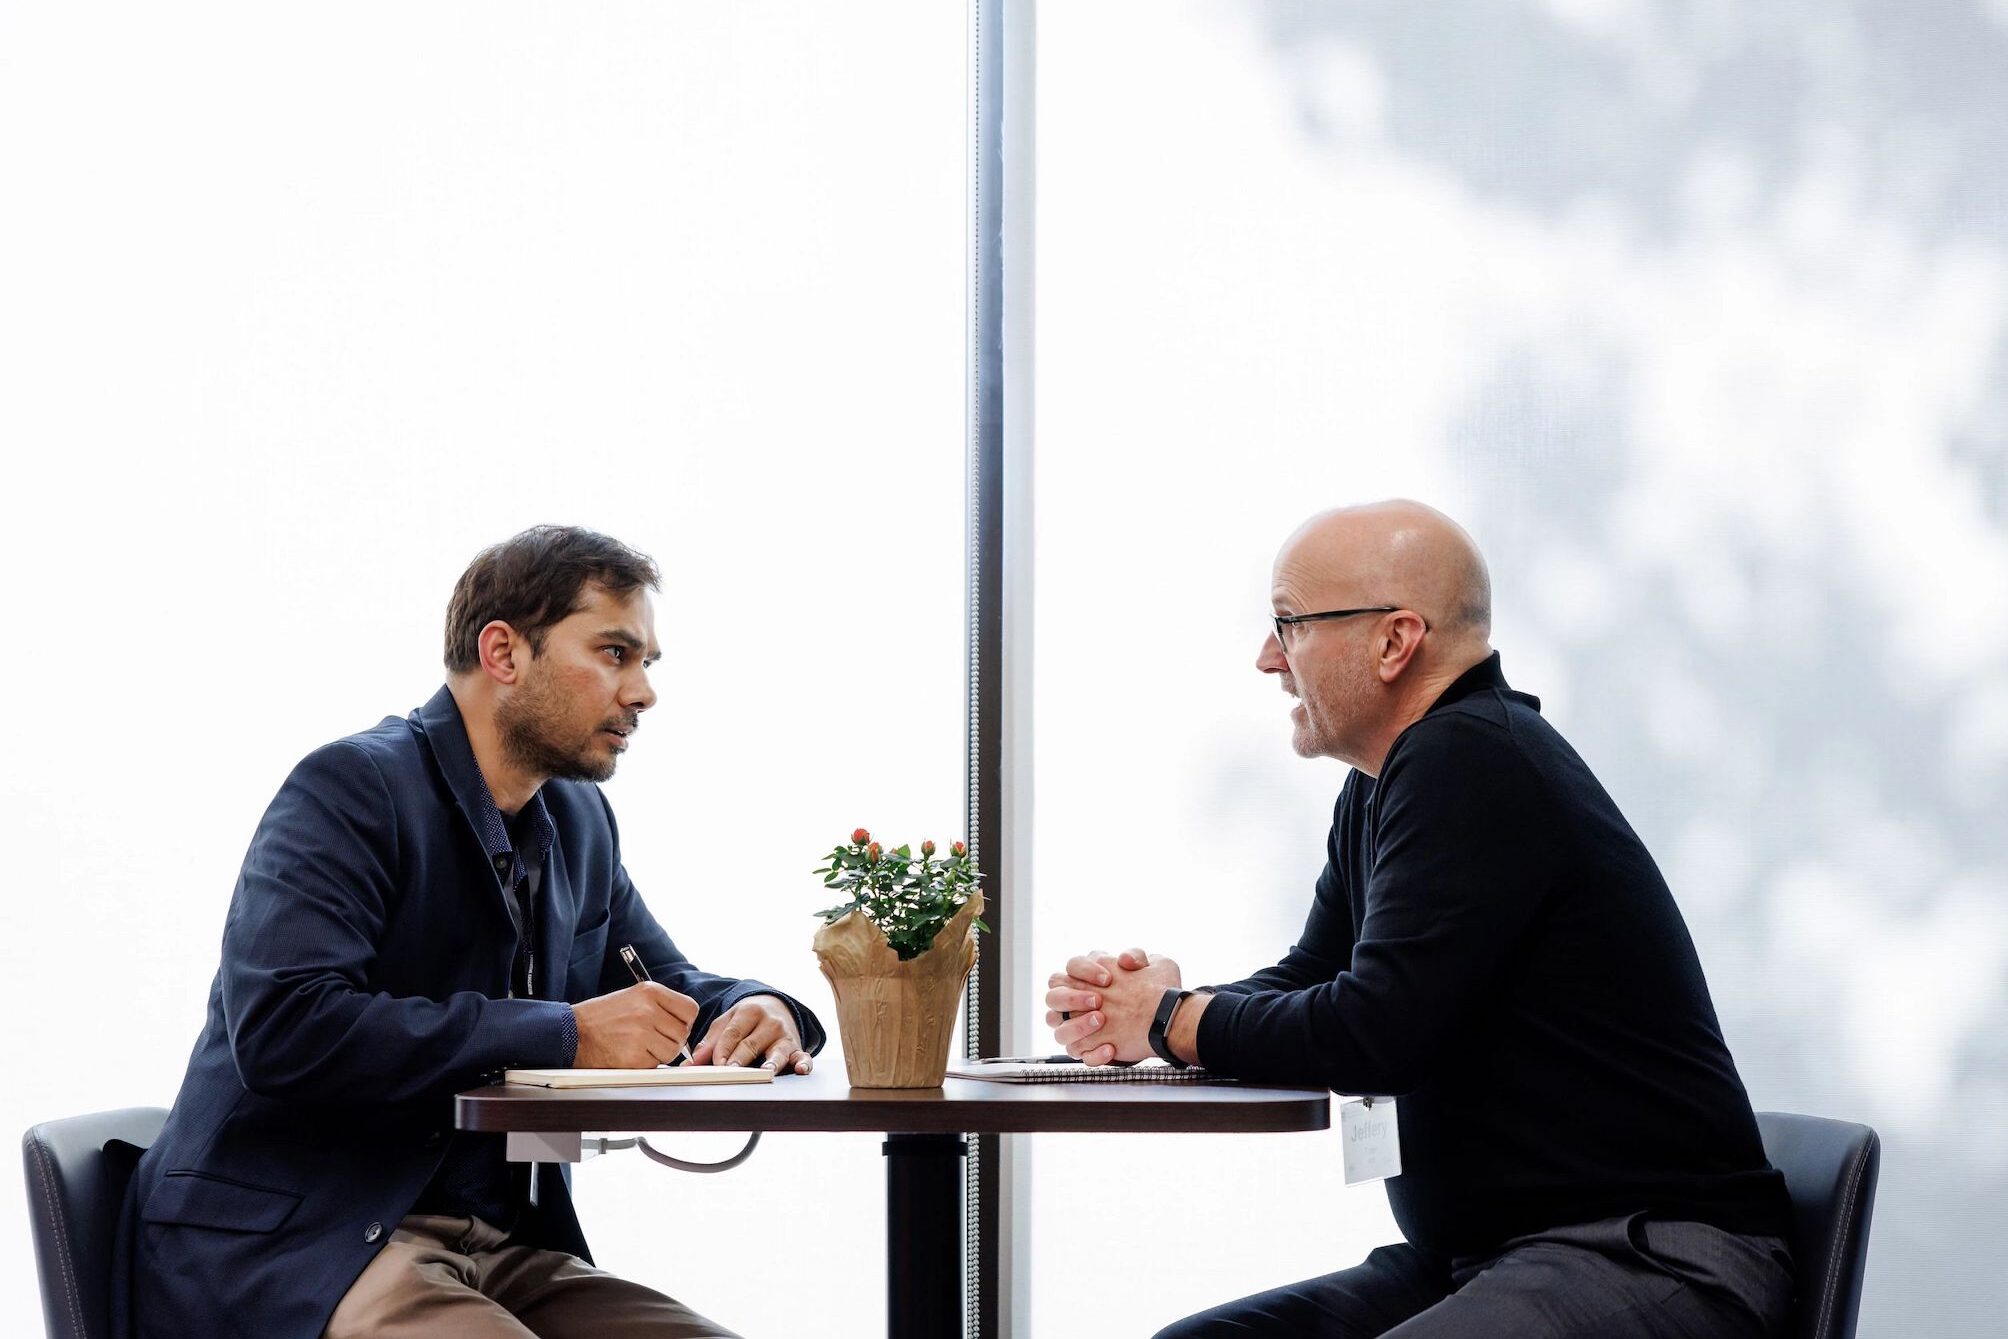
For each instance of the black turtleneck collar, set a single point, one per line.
(1485, 674)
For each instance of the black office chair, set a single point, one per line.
(78, 1170)
(1830, 1169)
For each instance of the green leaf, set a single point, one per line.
(908, 899)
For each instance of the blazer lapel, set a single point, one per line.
(557, 922)
(444, 735)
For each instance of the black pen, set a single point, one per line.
(1030, 1060)
(633, 961)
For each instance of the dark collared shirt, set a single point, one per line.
(475, 1179)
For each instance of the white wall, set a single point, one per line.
(303, 307)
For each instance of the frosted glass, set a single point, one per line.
(1695, 316)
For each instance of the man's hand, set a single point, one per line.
(1111, 1001)
(637, 1028)
(760, 1029)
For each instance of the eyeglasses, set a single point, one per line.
(1287, 621)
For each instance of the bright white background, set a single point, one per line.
(298, 310)
(1695, 316)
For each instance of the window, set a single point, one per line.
(1664, 309)
(305, 307)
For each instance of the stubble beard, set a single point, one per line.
(534, 737)
(1338, 700)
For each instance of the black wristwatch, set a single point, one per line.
(1167, 1005)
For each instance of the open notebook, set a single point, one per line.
(637, 1078)
(1066, 1069)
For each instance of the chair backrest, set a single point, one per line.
(1830, 1169)
(78, 1170)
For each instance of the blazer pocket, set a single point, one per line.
(589, 949)
(193, 1199)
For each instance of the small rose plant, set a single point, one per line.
(908, 897)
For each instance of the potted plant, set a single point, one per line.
(896, 954)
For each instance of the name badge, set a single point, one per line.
(1371, 1139)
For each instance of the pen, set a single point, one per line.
(633, 961)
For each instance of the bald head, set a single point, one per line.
(1407, 607)
(1402, 553)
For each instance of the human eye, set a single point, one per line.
(619, 653)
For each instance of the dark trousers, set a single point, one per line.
(1635, 1276)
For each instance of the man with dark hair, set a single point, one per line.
(532, 581)
(1492, 945)
(423, 904)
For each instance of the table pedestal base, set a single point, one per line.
(923, 1231)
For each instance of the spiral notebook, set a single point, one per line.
(1066, 1069)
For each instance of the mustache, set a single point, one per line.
(626, 726)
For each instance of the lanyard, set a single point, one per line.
(521, 897)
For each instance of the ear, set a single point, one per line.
(1400, 638)
(502, 652)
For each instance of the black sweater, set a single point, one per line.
(1492, 944)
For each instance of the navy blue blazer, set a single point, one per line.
(364, 981)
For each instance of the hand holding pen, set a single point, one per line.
(643, 1026)
(759, 1029)
(640, 974)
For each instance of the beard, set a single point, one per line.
(537, 736)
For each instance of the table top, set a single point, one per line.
(824, 1101)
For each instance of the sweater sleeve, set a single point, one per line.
(1461, 863)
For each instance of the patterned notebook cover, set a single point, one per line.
(1066, 1069)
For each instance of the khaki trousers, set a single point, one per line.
(458, 1278)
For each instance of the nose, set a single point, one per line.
(640, 694)
(1270, 659)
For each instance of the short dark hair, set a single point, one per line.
(533, 581)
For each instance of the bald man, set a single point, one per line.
(1490, 944)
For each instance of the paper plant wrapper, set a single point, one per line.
(896, 1017)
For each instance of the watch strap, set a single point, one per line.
(1167, 1005)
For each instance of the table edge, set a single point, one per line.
(1291, 1111)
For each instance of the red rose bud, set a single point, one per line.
(927, 848)
(872, 853)
(958, 850)
(859, 837)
